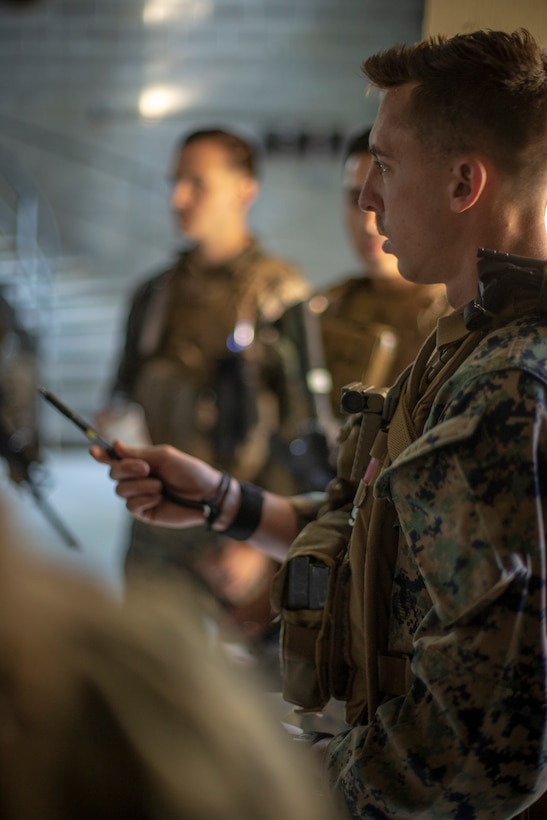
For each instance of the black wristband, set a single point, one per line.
(249, 513)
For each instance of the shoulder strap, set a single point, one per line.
(154, 316)
(317, 375)
(401, 427)
(266, 285)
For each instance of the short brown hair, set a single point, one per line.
(242, 153)
(484, 91)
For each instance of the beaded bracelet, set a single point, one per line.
(210, 507)
(249, 513)
(216, 501)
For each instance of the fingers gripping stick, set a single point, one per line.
(210, 507)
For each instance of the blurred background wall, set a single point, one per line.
(93, 95)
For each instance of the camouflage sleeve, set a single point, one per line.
(469, 739)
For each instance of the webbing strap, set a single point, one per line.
(402, 431)
(317, 362)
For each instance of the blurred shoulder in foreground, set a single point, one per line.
(130, 710)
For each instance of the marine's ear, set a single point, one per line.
(468, 178)
(249, 190)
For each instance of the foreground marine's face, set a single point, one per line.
(407, 191)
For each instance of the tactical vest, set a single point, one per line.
(335, 623)
(339, 647)
(198, 360)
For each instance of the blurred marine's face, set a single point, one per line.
(361, 227)
(208, 194)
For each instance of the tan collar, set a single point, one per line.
(451, 328)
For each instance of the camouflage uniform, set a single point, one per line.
(447, 696)
(363, 313)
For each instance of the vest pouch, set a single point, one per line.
(311, 592)
(339, 668)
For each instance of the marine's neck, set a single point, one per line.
(222, 250)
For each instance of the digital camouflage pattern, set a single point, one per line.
(469, 738)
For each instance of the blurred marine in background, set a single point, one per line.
(199, 359)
